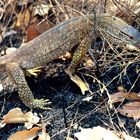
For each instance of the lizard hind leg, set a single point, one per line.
(80, 52)
(17, 75)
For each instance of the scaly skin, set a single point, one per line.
(57, 41)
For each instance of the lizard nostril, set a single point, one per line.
(131, 37)
(1, 88)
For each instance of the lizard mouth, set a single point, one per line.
(133, 34)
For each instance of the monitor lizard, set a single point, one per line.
(57, 41)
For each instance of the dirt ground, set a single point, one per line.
(68, 107)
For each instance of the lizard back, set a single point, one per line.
(61, 38)
(54, 42)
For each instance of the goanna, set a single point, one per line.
(57, 41)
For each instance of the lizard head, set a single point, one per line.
(118, 31)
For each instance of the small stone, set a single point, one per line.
(1, 88)
(10, 50)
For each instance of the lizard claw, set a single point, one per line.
(41, 103)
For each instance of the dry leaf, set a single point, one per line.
(76, 79)
(120, 96)
(117, 97)
(41, 9)
(31, 134)
(43, 135)
(25, 134)
(32, 32)
(23, 19)
(124, 136)
(131, 110)
(96, 133)
(89, 63)
(69, 138)
(31, 119)
(100, 133)
(37, 28)
(15, 115)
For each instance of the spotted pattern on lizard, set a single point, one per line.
(57, 41)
